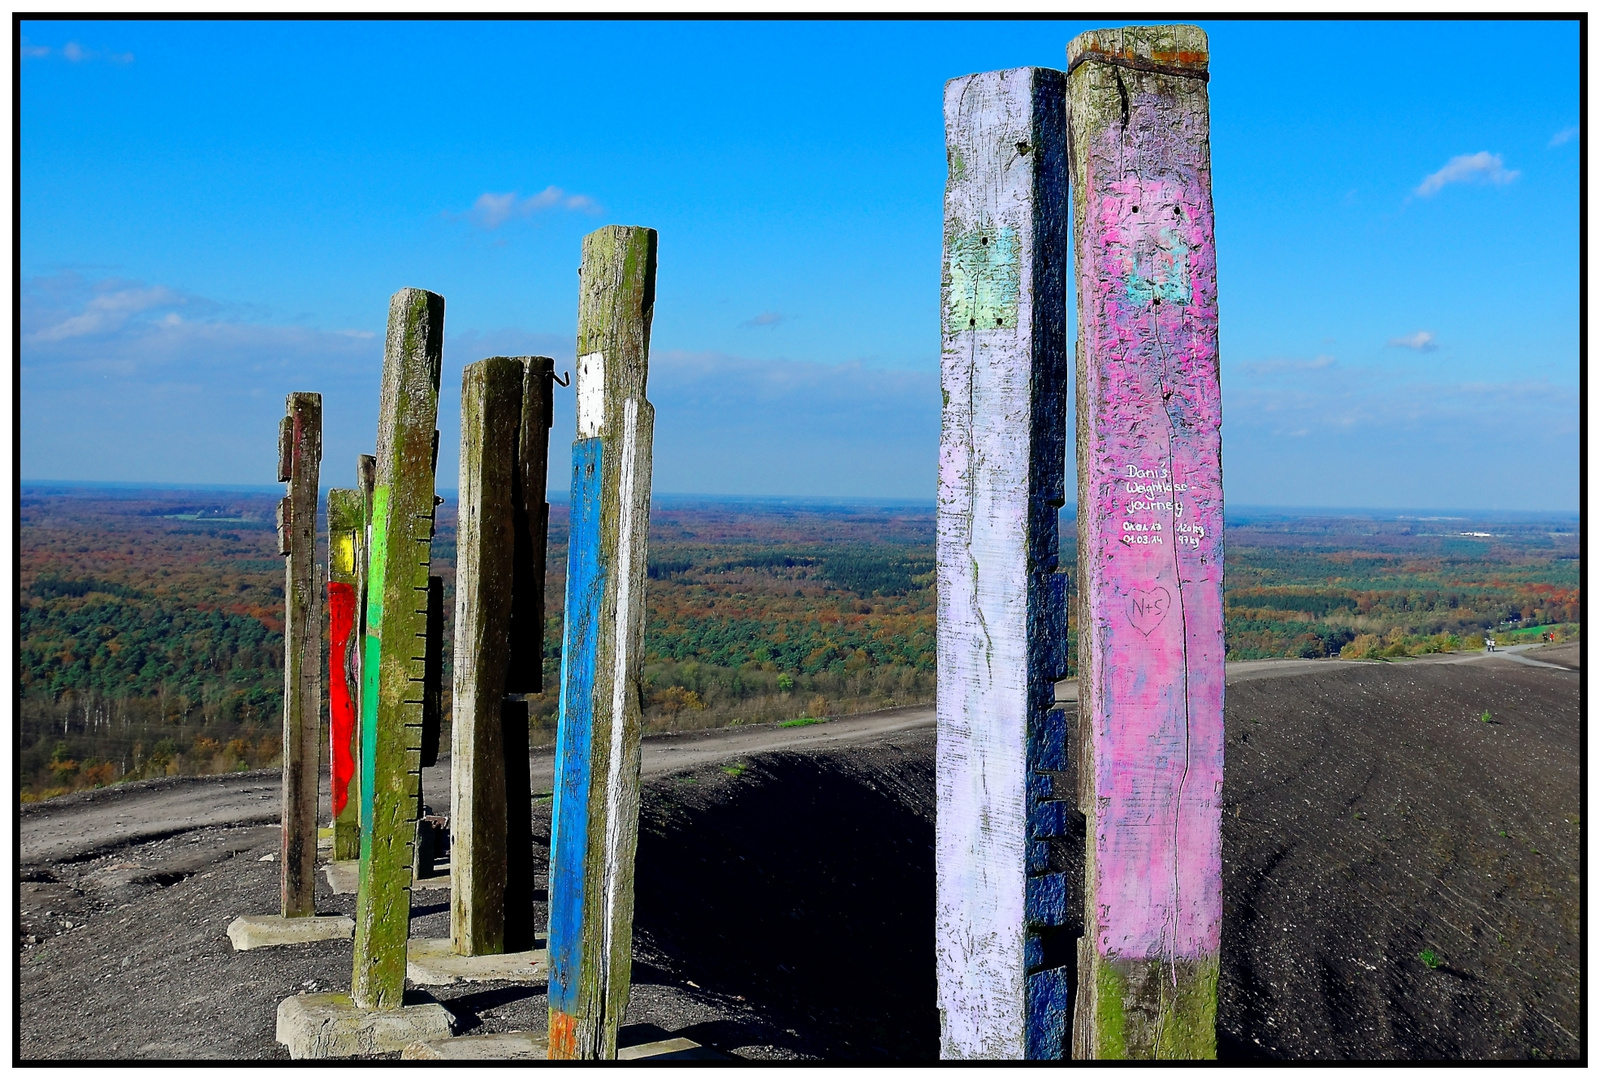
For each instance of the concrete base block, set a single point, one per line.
(431, 962)
(263, 931)
(676, 1049)
(345, 874)
(533, 1046)
(332, 1026)
(502, 1046)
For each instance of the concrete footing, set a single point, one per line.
(533, 1046)
(431, 962)
(333, 1026)
(264, 931)
(345, 874)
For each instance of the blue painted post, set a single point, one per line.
(596, 813)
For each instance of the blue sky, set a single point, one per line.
(215, 214)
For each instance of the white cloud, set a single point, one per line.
(1565, 135)
(125, 380)
(766, 318)
(492, 209)
(1482, 166)
(110, 309)
(73, 53)
(1421, 341)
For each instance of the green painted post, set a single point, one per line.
(393, 672)
(299, 455)
(596, 813)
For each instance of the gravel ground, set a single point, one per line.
(1400, 882)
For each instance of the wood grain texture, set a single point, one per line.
(366, 479)
(346, 539)
(596, 811)
(433, 678)
(532, 523)
(394, 664)
(302, 651)
(491, 413)
(1149, 542)
(1001, 618)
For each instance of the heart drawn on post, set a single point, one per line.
(1147, 607)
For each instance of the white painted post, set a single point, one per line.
(1002, 911)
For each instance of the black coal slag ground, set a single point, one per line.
(1400, 882)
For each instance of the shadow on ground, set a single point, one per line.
(802, 883)
(1400, 876)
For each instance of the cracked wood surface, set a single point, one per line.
(1001, 615)
(595, 819)
(1149, 542)
(346, 543)
(300, 454)
(394, 659)
(491, 407)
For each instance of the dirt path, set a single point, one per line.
(95, 822)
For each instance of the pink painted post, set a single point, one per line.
(1149, 543)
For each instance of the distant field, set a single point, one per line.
(151, 621)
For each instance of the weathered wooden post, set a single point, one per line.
(526, 675)
(346, 541)
(393, 668)
(366, 478)
(504, 439)
(491, 407)
(373, 1018)
(596, 804)
(1149, 543)
(299, 457)
(1004, 935)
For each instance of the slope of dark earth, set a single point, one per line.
(1400, 874)
(1401, 882)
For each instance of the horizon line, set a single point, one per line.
(865, 500)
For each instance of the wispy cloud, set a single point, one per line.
(1278, 364)
(1421, 341)
(109, 306)
(73, 53)
(768, 319)
(493, 209)
(1482, 167)
(130, 380)
(1565, 135)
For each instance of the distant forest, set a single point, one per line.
(151, 632)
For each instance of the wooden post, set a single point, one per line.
(596, 806)
(1149, 543)
(491, 410)
(532, 514)
(1001, 911)
(299, 457)
(366, 477)
(346, 539)
(433, 675)
(393, 671)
